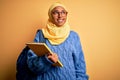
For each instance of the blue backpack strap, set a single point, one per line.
(41, 36)
(23, 72)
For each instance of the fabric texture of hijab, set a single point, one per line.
(56, 35)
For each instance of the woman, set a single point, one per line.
(65, 45)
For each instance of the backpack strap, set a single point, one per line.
(21, 64)
(41, 36)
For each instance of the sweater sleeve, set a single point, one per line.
(78, 56)
(38, 64)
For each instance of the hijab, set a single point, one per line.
(56, 35)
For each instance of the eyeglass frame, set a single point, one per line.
(56, 13)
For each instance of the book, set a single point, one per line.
(41, 49)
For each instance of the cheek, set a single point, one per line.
(54, 19)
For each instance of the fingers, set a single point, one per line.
(53, 57)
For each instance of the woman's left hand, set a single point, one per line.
(53, 57)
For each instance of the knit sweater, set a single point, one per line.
(69, 53)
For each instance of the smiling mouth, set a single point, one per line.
(60, 20)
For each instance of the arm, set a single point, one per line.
(78, 56)
(38, 64)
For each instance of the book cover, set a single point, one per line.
(41, 49)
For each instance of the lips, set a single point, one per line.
(60, 20)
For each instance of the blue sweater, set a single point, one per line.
(70, 54)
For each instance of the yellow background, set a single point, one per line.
(96, 21)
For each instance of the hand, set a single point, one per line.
(53, 57)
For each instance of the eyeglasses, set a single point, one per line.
(56, 13)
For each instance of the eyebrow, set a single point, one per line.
(58, 11)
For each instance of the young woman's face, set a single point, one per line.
(59, 16)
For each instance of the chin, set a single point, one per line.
(60, 24)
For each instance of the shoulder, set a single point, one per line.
(39, 37)
(74, 34)
(39, 31)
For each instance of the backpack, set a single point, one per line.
(23, 72)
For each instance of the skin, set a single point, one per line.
(59, 20)
(53, 57)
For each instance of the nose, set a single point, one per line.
(59, 15)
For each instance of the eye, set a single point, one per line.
(63, 12)
(55, 12)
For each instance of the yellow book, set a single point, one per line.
(41, 49)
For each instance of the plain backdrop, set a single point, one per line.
(96, 21)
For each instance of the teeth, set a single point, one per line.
(60, 20)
